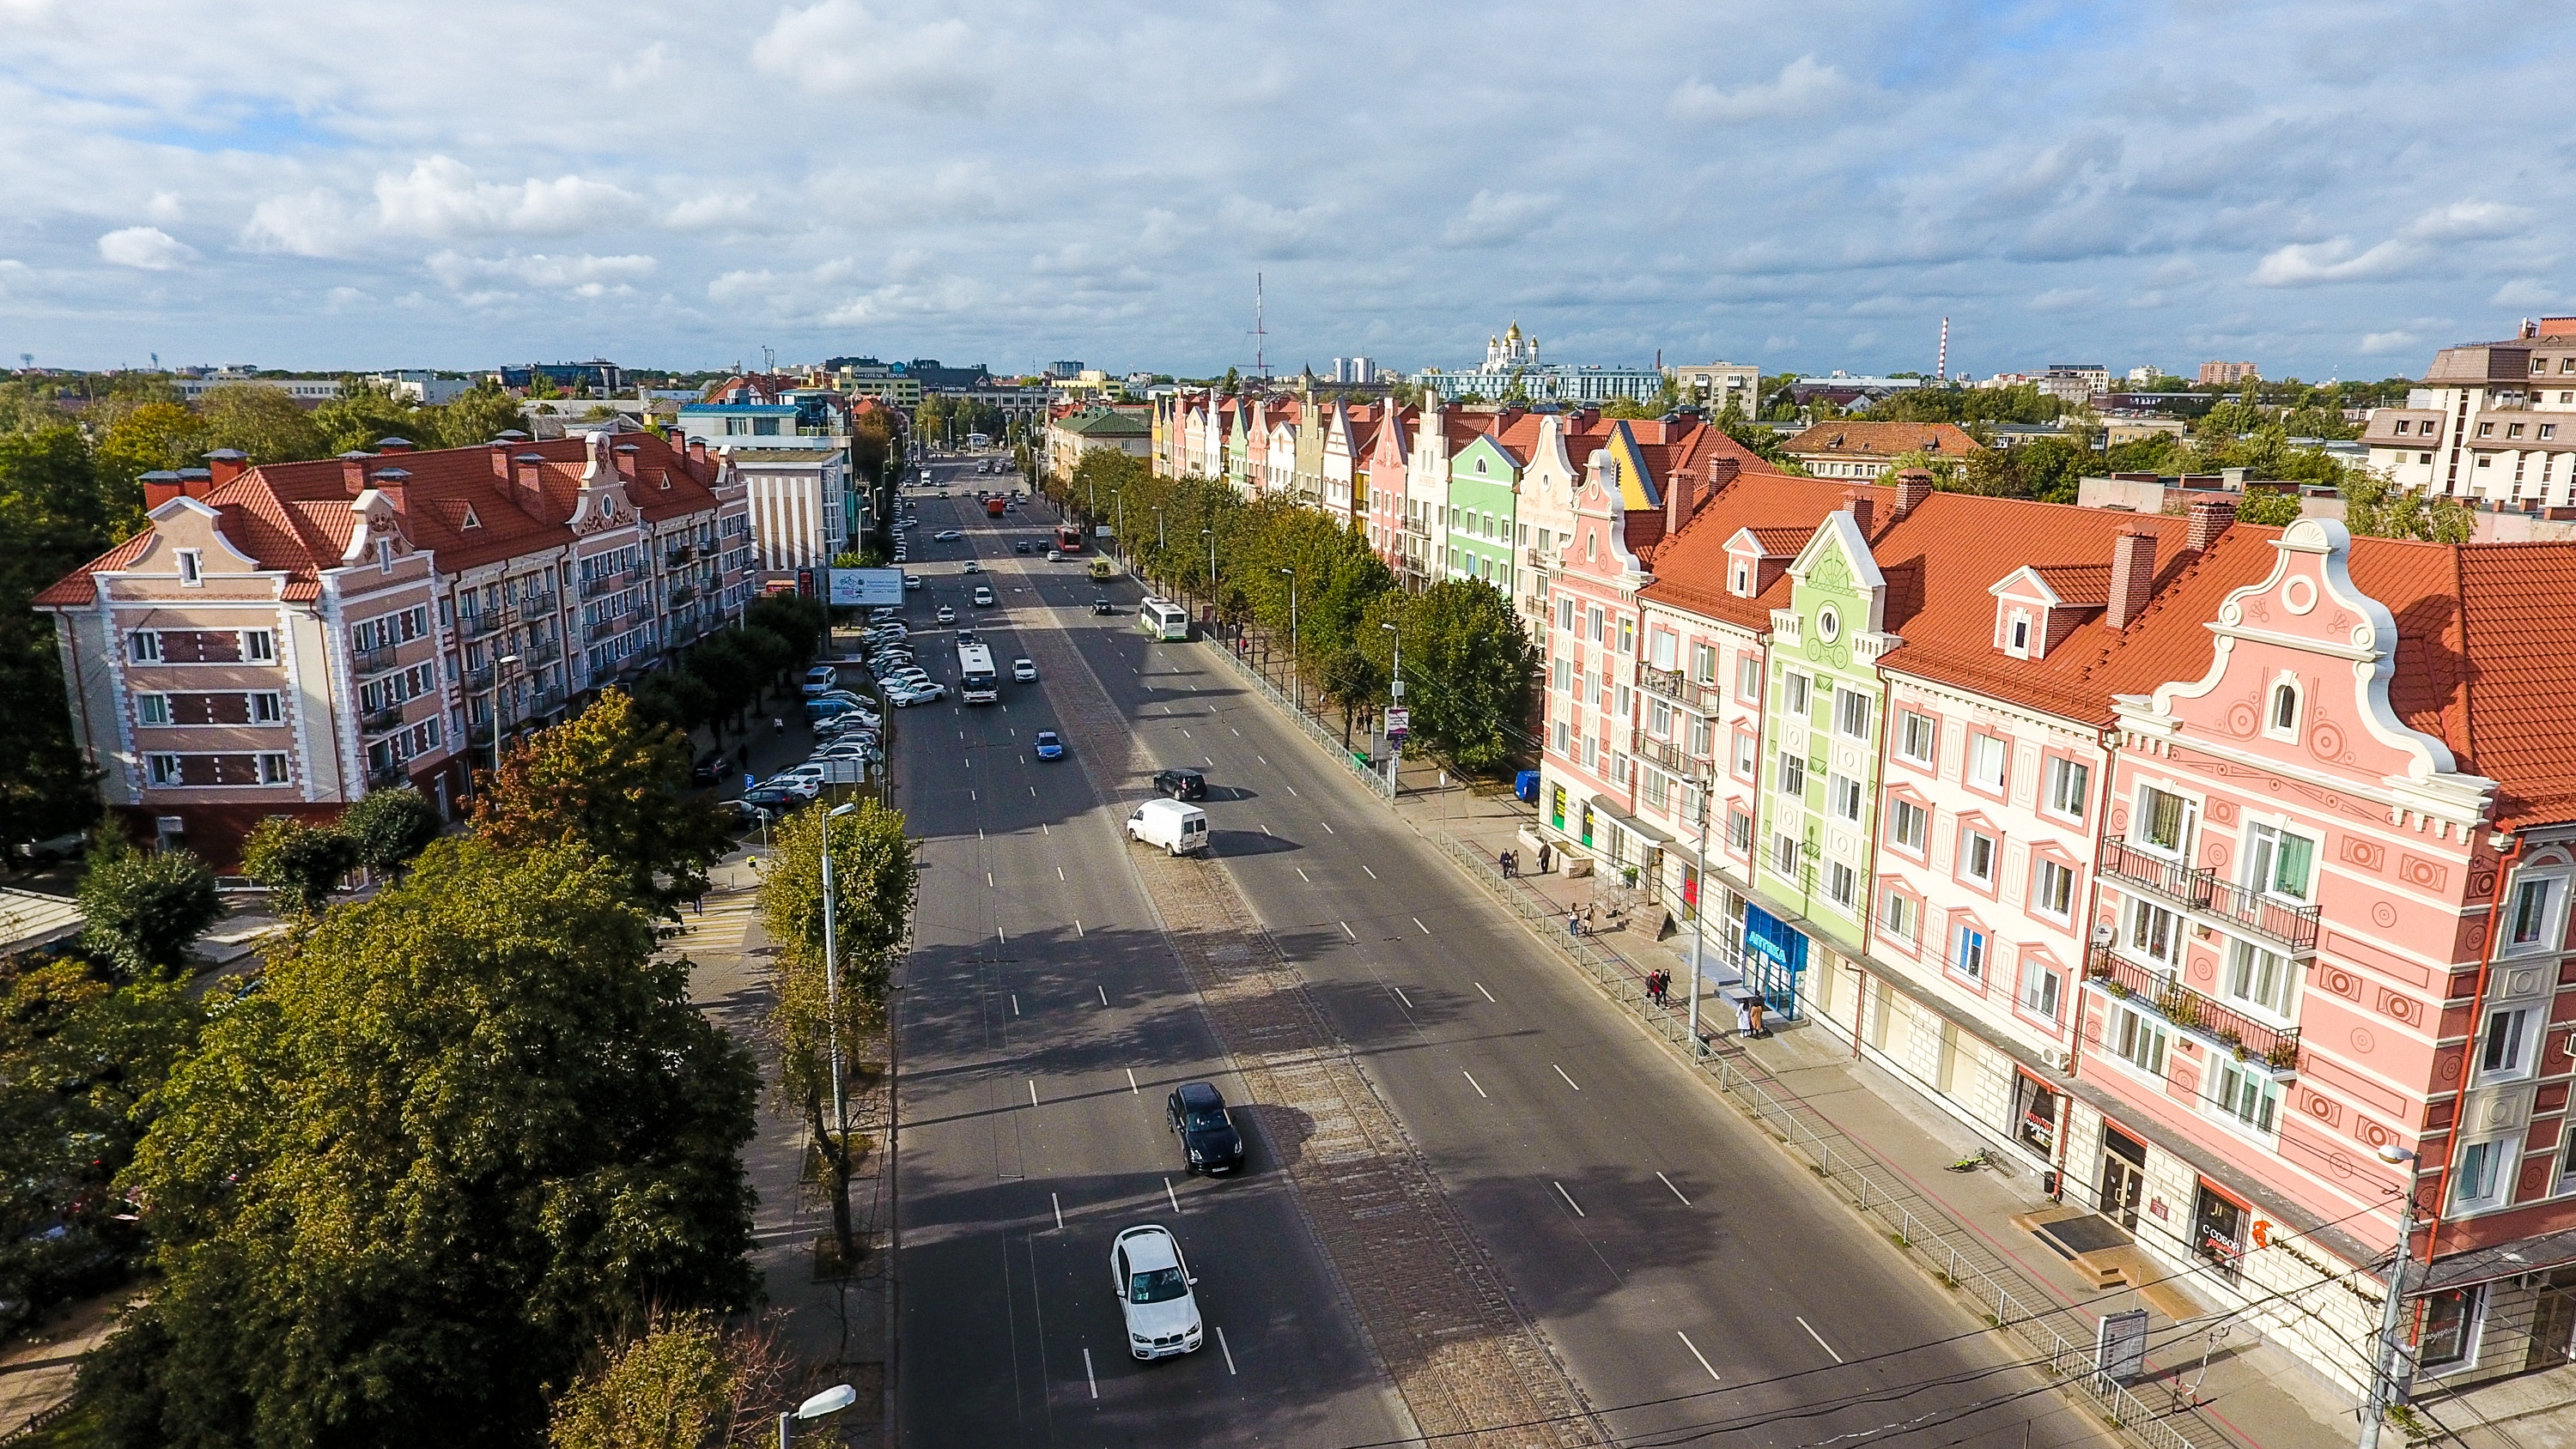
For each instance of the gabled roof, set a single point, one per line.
(1847, 439)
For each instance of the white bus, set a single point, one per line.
(976, 681)
(1163, 619)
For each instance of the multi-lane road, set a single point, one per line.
(1682, 1272)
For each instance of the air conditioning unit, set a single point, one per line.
(2055, 1058)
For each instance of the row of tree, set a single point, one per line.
(726, 673)
(1470, 672)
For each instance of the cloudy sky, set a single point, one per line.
(2321, 186)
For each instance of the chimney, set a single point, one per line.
(1863, 509)
(1912, 487)
(525, 481)
(624, 455)
(1680, 499)
(2133, 576)
(1721, 472)
(160, 488)
(698, 451)
(353, 472)
(223, 465)
(2210, 517)
(196, 482)
(393, 445)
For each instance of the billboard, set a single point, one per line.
(854, 587)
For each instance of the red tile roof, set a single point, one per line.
(1848, 439)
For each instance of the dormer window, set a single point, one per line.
(191, 567)
(1743, 585)
(2017, 635)
(2281, 721)
(384, 555)
(471, 521)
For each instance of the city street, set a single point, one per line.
(1679, 1268)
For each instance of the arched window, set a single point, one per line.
(2285, 709)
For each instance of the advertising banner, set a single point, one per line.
(853, 588)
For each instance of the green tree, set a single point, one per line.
(798, 621)
(724, 663)
(687, 1382)
(145, 909)
(678, 699)
(261, 421)
(1470, 674)
(471, 1126)
(2374, 507)
(1350, 680)
(873, 888)
(477, 415)
(609, 778)
(149, 438)
(300, 864)
(389, 827)
(56, 513)
(2271, 508)
(365, 414)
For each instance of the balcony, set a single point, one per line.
(378, 722)
(635, 576)
(1678, 687)
(386, 777)
(2206, 1016)
(2200, 890)
(479, 732)
(541, 654)
(598, 587)
(1674, 759)
(476, 626)
(1417, 527)
(679, 557)
(1536, 559)
(372, 661)
(541, 702)
(683, 594)
(479, 678)
(537, 605)
(684, 632)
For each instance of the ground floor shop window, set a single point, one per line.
(2219, 1229)
(2035, 1106)
(2449, 1337)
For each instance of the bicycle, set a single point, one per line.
(1971, 1162)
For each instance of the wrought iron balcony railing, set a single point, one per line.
(2194, 1011)
(2200, 889)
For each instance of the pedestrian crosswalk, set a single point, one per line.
(725, 925)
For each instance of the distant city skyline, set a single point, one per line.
(1805, 188)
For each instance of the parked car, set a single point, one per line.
(1024, 670)
(1050, 745)
(1153, 1284)
(1020, 546)
(1195, 1113)
(819, 678)
(708, 769)
(1181, 784)
(772, 800)
(747, 814)
(802, 787)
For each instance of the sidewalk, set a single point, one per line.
(1884, 1149)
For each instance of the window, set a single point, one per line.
(2451, 1319)
(1704, 663)
(191, 567)
(2276, 862)
(1915, 736)
(2052, 888)
(1784, 854)
(1744, 761)
(1565, 615)
(1748, 675)
(2139, 1040)
(1622, 696)
(2486, 430)
(2069, 784)
(165, 769)
(1659, 789)
(1742, 577)
(2505, 1052)
(1851, 713)
(1842, 884)
(2483, 1181)
(1793, 696)
(1792, 777)
(1662, 649)
(1739, 834)
(1627, 637)
(1977, 856)
(147, 646)
(1659, 718)
(2163, 820)
(1900, 916)
(2019, 637)
(1842, 796)
(2284, 719)
(264, 708)
(259, 646)
(2154, 932)
(1986, 762)
(2041, 987)
(1592, 621)
(2257, 977)
(1702, 739)
(272, 769)
(1561, 673)
(1910, 824)
(1968, 953)
(2531, 902)
(1563, 739)
(384, 555)
(152, 709)
(2244, 1094)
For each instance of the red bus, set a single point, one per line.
(1068, 539)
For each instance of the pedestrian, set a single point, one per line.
(1753, 1012)
(1744, 1014)
(1588, 918)
(1542, 857)
(1573, 921)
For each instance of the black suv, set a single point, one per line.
(1020, 546)
(1100, 604)
(1196, 1114)
(1181, 784)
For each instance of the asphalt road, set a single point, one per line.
(1683, 1270)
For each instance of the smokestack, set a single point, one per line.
(353, 471)
(393, 445)
(160, 488)
(223, 465)
(1680, 497)
(1721, 472)
(525, 481)
(2133, 576)
(2210, 518)
(196, 482)
(1912, 487)
(1863, 509)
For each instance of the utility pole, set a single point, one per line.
(832, 978)
(1699, 919)
(2386, 1352)
(1260, 334)
(1296, 684)
(1395, 692)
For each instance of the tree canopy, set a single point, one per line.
(471, 1126)
(619, 784)
(145, 910)
(1470, 673)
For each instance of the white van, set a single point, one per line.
(1180, 829)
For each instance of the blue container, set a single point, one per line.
(1525, 785)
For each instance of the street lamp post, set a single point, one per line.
(831, 1401)
(1296, 684)
(1395, 692)
(2386, 1351)
(1211, 538)
(1699, 920)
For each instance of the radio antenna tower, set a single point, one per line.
(1941, 369)
(1260, 334)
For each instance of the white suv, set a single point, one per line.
(1153, 1282)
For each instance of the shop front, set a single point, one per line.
(1775, 957)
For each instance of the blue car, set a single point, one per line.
(1049, 747)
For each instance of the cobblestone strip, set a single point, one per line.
(1435, 1311)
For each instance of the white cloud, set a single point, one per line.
(2528, 292)
(147, 247)
(2414, 244)
(839, 47)
(2376, 343)
(580, 276)
(1278, 231)
(642, 66)
(1493, 218)
(441, 198)
(2063, 299)
(1802, 88)
(714, 209)
(164, 206)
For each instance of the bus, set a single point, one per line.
(1163, 619)
(1068, 538)
(976, 681)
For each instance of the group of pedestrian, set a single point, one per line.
(1659, 985)
(1578, 920)
(1510, 862)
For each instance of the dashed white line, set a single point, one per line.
(1677, 1192)
(1088, 1375)
(1569, 1198)
(1371, 874)
(1173, 1197)
(1818, 1337)
(1185, 734)
(1328, 826)
(1489, 996)
(1400, 996)
(1059, 1211)
(1347, 931)
(1301, 874)
(1059, 872)
(988, 878)
(1291, 788)
(1471, 1081)
(1238, 734)
(970, 794)
(1077, 930)
(1131, 1071)
(1695, 1353)
(998, 936)
(1103, 990)
(1223, 1349)
(1569, 1081)
(1417, 923)
(1033, 1091)
(1266, 831)
(1015, 1003)
(1256, 754)
(1211, 764)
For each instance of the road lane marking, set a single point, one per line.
(1131, 1078)
(1088, 1375)
(1489, 996)
(988, 878)
(1328, 826)
(1677, 1192)
(1059, 1211)
(1042, 830)
(1818, 1337)
(1059, 872)
(1291, 788)
(1266, 831)
(1400, 996)
(997, 934)
(1569, 1081)
(1417, 922)
(1015, 1003)
(1173, 1197)
(1185, 734)
(1347, 931)
(1569, 1198)
(1372, 874)
(1301, 874)
(1211, 764)
(1471, 1081)
(1077, 929)
(1223, 1349)
(970, 794)
(1103, 990)
(1695, 1353)
(1238, 734)
(1256, 754)
(1033, 792)
(1033, 1091)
